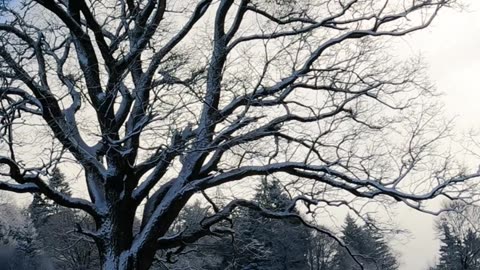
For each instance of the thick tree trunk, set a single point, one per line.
(126, 260)
(114, 256)
(111, 261)
(115, 244)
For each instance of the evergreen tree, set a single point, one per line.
(204, 253)
(3, 4)
(39, 210)
(368, 246)
(266, 243)
(258, 242)
(58, 183)
(459, 252)
(69, 250)
(41, 207)
(355, 238)
(19, 246)
(460, 240)
(449, 251)
(471, 250)
(381, 253)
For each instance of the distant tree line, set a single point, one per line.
(33, 238)
(259, 242)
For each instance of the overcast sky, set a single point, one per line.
(451, 48)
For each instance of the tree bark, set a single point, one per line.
(115, 243)
(126, 260)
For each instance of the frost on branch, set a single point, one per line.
(155, 102)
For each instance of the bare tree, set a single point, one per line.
(159, 100)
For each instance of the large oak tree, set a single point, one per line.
(156, 101)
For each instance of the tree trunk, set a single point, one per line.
(112, 261)
(112, 258)
(115, 244)
(126, 260)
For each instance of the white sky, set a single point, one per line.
(451, 48)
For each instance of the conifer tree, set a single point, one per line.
(353, 237)
(383, 257)
(39, 210)
(471, 250)
(69, 250)
(265, 243)
(19, 246)
(459, 235)
(58, 183)
(449, 250)
(258, 242)
(367, 244)
(459, 252)
(3, 4)
(41, 207)
(208, 253)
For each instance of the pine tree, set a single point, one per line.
(471, 250)
(459, 252)
(41, 207)
(19, 246)
(39, 210)
(382, 254)
(203, 254)
(449, 251)
(3, 3)
(28, 248)
(58, 183)
(68, 250)
(353, 237)
(265, 243)
(368, 246)
(271, 196)
(258, 242)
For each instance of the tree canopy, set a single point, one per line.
(156, 102)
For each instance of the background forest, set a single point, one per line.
(34, 237)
